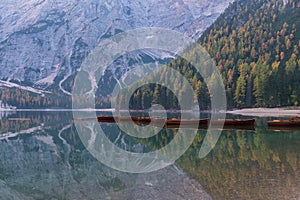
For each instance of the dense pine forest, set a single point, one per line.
(255, 45)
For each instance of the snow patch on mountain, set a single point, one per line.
(27, 88)
(49, 80)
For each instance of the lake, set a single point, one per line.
(43, 157)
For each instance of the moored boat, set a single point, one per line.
(113, 119)
(107, 119)
(126, 119)
(187, 123)
(293, 122)
(235, 122)
(184, 123)
(143, 119)
(244, 124)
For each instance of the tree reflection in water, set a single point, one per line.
(51, 162)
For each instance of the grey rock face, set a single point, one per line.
(43, 42)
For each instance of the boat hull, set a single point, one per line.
(184, 123)
(234, 122)
(284, 123)
(193, 123)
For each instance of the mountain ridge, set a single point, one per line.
(51, 35)
(44, 42)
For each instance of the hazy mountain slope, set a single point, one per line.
(44, 41)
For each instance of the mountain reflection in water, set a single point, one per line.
(43, 158)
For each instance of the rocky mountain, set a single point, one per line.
(43, 42)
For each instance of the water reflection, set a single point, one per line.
(44, 158)
(5, 114)
(50, 162)
(243, 165)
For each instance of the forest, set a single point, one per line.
(255, 45)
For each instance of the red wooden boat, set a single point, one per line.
(126, 119)
(111, 119)
(143, 119)
(184, 123)
(107, 119)
(248, 124)
(235, 122)
(293, 122)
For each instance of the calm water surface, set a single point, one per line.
(42, 157)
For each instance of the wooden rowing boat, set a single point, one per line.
(248, 124)
(192, 123)
(183, 123)
(112, 119)
(284, 123)
(234, 122)
(107, 119)
(126, 119)
(186, 121)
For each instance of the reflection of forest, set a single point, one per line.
(53, 164)
(243, 165)
(29, 120)
(5, 114)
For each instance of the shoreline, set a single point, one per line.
(254, 112)
(266, 112)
